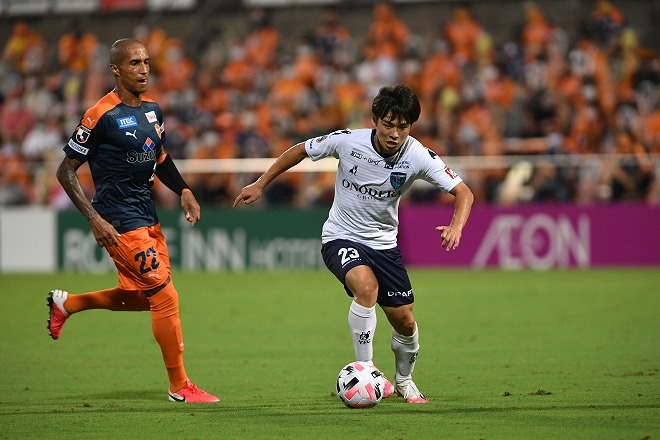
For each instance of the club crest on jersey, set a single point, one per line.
(82, 134)
(127, 122)
(151, 116)
(397, 180)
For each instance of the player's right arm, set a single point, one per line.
(290, 158)
(104, 233)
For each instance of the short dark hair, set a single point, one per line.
(118, 49)
(397, 101)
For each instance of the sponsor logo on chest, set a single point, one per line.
(151, 117)
(148, 153)
(127, 122)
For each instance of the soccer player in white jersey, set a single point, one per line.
(359, 239)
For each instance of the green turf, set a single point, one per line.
(504, 355)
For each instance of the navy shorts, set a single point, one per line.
(394, 287)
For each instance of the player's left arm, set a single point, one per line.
(463, 200)
(168, 173)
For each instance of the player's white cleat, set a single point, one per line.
(57, 316)
(192, 394)
(408, 390)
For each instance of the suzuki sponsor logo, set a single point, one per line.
(148, 154)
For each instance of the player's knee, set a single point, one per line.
(406, 324)
(366, 294)
(166, 302)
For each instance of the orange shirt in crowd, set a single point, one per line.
(261, 47)
(440, 70)
(178, 71)
(462, 32)
(387, 34)
(76, 49)
(536, 33)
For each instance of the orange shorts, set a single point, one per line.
(141, 258)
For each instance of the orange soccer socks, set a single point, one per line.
(166, 326)
(114, 299)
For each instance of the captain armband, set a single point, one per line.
(168, 174)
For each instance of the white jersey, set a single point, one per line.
(368, 186)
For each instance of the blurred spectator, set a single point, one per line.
(383, 49)
(536, 32)
(631, 176)
(263, 40)
(154, 38)
(40, 101)
(16, 119)
(45, 140)
(388, 34)
(605, 25)
(334, 43)
(178, 70)
(463, 31)
(14, 176)
(239, 72)
(551, 183)
(25, 50)
(76, 48)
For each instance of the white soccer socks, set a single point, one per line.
(405, 350)
(362, 322)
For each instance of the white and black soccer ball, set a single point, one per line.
(360, 385)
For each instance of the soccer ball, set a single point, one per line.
(360, 385)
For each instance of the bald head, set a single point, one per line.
(119, 49)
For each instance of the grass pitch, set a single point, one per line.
(504, 355)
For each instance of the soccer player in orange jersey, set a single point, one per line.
(122, 138)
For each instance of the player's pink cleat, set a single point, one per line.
(408, 390)
(191, 394)
(58, 315)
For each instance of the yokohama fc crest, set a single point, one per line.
(397, 180)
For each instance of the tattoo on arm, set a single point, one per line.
(66, 175)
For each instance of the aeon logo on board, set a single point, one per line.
(540, 241)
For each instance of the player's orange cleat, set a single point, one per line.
(58, 315)
(408, 390)
(191, 394)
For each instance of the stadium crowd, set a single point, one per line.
(254, 96)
